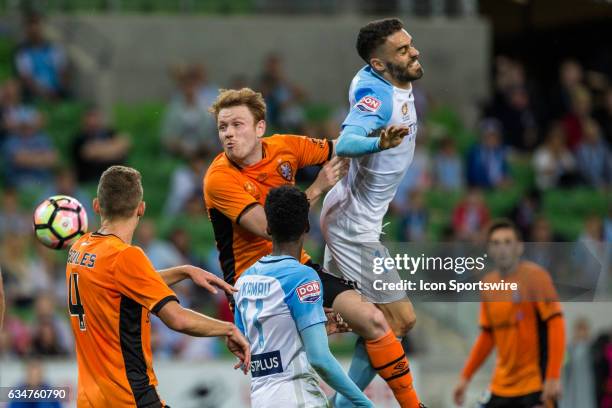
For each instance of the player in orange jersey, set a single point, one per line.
(526, 326)
(113, 288)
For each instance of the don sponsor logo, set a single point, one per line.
(266, 363)
(309, 292)
(368, 104)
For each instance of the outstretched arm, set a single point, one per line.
(317, 349)
(196, 324)
(354, 140)
(199, 276)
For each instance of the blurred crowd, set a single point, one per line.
(562, 134)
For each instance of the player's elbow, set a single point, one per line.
(175, 318)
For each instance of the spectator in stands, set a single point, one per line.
(512, 105)
(604, 116)
(470, 216)
(207, 92)
(574, 121)
(182, 242)
(161, 253)
(12, 108)
(187, 126)
(594, 157)
(41, 65)
(602, 356)
(283, 98)
(17, 268)
(553, 162)
(591, 256)
(571, 77)
(50, 327)
(448, 166)
(541, 231)
(97, 147)
(414, 220)
(34, 381)
(13, 220)
(487, 165)
(526, 211)
(29, 155)
(186, 182)
(65, 183)
(419, 177)
(578, 381)
(45, 341)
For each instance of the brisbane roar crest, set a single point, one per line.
(285, 170)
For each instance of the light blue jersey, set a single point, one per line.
(364, 194)
(277, 298)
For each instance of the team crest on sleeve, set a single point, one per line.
(285, 170)
(250, 188)
(309, 292)
(368, 104)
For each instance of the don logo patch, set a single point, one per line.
(309, 292)
(285, 170)
(368, 104)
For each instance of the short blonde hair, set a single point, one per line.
(119, 192)
(228, 98)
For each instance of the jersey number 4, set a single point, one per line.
(74, 302)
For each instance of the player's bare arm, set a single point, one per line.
(329, 175)
(199, 276)
(196, 324)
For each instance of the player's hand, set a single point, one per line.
(239, 346)
(459, 392)
(392, 137)
(551, 391)
(335, 323)
(331, 173)
(209, 281)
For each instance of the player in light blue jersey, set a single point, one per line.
(279, 308)
(382, 109)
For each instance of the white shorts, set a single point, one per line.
(290, 394)
(349, 254)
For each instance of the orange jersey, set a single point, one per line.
(518, 325)
(112, 287)
(230, 190)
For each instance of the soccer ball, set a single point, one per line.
(59, 221)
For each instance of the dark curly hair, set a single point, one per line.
(373, 35)
(286, 210)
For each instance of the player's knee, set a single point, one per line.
(378, 325)
(404, 324)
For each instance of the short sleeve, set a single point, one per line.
(371, 110)
(309, 151)
(136, 278)
(545, 295)
(224, 193)
(483, 318)
(238, 320)
(304, 297)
